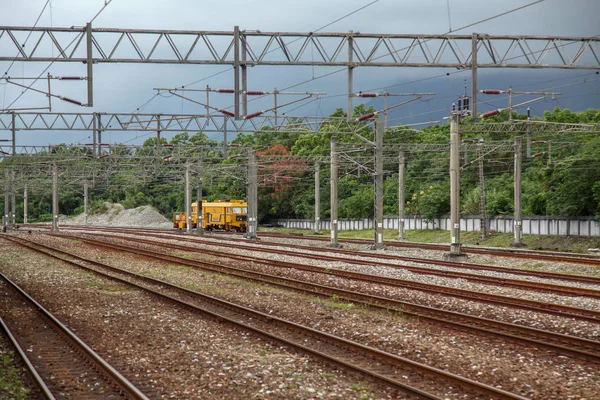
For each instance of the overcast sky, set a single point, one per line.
(127, 87)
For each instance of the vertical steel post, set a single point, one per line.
(275, 106)
(94, 140)
(317, 198)
(85, 203)
(454, 186)
(385, 110)
(528, 135)
(474, 40)
(236, 71)
(378, 244)
(244, 76)
(510, 107)
(207, 101)
(225, 119)
(99, 132)
(199, 213)
(14, 133)
(13, 195)
(350, 74)
(252, 196)
(518, 233)
(401, 196)
(188, 200)
(334, 193)
(90, 65)
(25, 202)
(482, 211)
(6, 201)
(54, 197)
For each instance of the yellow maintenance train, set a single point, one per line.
(226, 215)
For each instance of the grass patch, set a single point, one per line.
(327, 375)
(11, 385)
(105, 286)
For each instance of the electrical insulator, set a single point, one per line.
(167, 145)
(538, 154)
(72, 101)
(255, 92)
(225, 91)
(466, 101)
(490, 113)
(167, 157)
(453, 106)
(227, 112)
(492, 91)
(364, 117)
(467, 164)
(256, 114)
(460, 106)
(539, 142)
(528, 113)
(361, 94)
(70, 78)
(104, 156)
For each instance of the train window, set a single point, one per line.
(240, 210)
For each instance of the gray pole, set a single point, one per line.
(401, 196)
(275, 105)
(207, 101)
(528, 135)
(188, 200)
(14, 134)
(199, 213)
(334, 193)
(85, 203)
(244, 77)
(13, 190)
(252, 196)
(99, 132)
(94, 129)
(378, 184)
(518, 218)
(454, 187)
(350, 74)
(157, 137)
(317, 199)
(54, 198)
(25, 201)
(482, 213)
(474, 75)
(225, 136)
(236, 71)
(6, 200)
(90, 64)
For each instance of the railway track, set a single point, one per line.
(532, 305)
(59, 362)
(564, 344)
(408, 376)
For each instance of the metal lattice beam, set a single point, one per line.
(298, 48)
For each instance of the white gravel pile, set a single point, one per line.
(117, 215)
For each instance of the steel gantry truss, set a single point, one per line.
(243, 48)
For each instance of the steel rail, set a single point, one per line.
(386, 361)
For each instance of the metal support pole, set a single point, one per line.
(334, 193)
(54, 198)
(207, 101)
(474, 74)
(94, 131)
(13, 195)
(350, 75)
(275, 106)
(518, 231)
(454, 187)
(401, 196)
(385, 110)
(6, 202)
(14, 133)
(25, 203)
(199, 212)
(482, 211)
(99, 132)
(236, 71)
(244, 76)
(378, 184)
(90, 65)
(317, 199)
(252, 196)
(510, 108)
(188, 200)
(225, 136)
(85, 203)
(528, 135)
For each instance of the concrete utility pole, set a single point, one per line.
(199, 213)
(252, 196)
(455, 188)
(25, 201)
(317, 199)
(401, 195)
(517, 216)
(85, 203)
(54, 198)
(482, 212)
(378, 184)
(334, 194)
(188, 200)
(6, 200)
